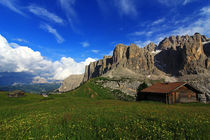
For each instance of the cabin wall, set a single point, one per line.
(183, 95)
(152, 97)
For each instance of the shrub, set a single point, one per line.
(141, 87)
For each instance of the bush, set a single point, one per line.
(141, 87)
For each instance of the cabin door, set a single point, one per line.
(173, 97)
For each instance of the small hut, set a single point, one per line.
(170, 93)
(44, 95)
(16, 93)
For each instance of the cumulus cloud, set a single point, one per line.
(53, 31)
(39, 80)
(68, 66)
(85, 44)
(16, 58)
(12, 5)
(45, 14)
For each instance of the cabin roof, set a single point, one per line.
(164, 87)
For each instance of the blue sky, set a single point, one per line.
(81, 29)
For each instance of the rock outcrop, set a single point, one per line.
(131, 57)
(176, 58)
(70, 83)
(151, 47)
(176, 55)
(182, 55)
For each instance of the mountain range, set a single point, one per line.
(175, 58)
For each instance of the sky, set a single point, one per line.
(56, 38)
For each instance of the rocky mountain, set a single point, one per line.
(70, 83)
(182, 55)
(176, 58)
(132, 58)
(151, 47)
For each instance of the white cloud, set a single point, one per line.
(43, 13)
(68, 66)
(85, 44)
(53, 31)
(11, 4)
(205, 11)
(188, 1)
(95, 51)
(110, 53)
(201, 25)
(142, 44)
(126, 7)
(199, 22)
(68, 7)
(20, 40)
(161, 20)
(15, 58)
(38, 80)
(142, 33)
(175, 2)
(138, 33)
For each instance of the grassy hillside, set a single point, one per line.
(94, 90)
(91, 112)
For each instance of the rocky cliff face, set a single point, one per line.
(70, 83)
(176, 58)
(176, 55)
(131, 57)
(182, 55)
(151, 47)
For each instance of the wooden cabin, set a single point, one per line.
(16, 93)
(170, 93)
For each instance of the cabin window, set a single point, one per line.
(189, 95)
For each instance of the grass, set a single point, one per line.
(91, 112)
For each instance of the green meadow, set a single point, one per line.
(92, 112)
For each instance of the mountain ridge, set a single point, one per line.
(175, 58)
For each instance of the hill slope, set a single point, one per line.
(74, 116)
(176, 58)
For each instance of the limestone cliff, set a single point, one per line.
(176, 58)
(176, 55)
(131, 57)
(151, 47)
(182, 55)
(70, 83)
